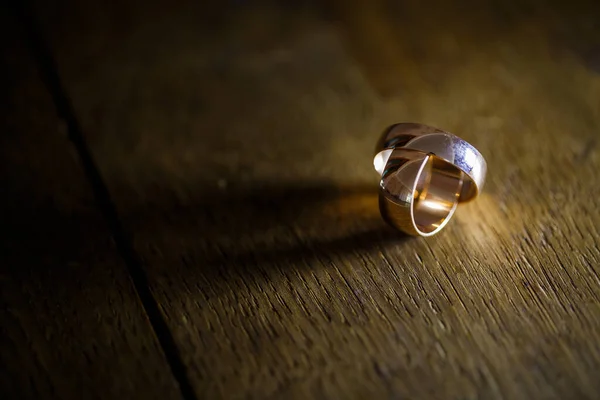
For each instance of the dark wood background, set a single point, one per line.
(189, 209)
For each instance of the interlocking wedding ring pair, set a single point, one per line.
(425, 173)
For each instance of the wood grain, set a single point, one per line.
(238, 154)
(71, 325)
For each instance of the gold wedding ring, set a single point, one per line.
(425, 173)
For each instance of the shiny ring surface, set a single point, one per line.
(425, 173)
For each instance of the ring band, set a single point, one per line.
(425, 173)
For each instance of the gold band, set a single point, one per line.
(425, 174)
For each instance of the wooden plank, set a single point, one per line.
(239, 155)
(71, 324)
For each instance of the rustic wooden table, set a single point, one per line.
(189, 208)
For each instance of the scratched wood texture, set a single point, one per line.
(71, 325)
(236, 141)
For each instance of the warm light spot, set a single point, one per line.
(484, 222)
(433, 205)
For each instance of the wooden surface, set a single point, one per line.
(71, 324)
(236, 140)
